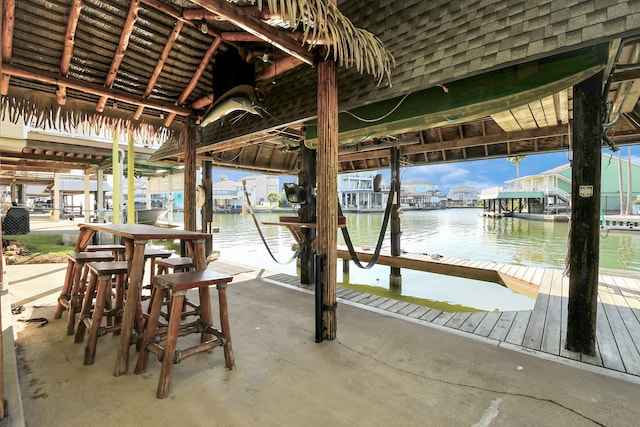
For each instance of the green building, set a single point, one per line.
(549, 192)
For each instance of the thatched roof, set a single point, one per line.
(112, 58)
(155, 65)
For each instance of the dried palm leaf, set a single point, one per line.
(349, 45)
(41, 110)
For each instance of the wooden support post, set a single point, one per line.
(207, 208)
(189, 176)
(307, 178)
(584, 238)
(116, 194)
(395, 277)
(327, 200)
(131, 180)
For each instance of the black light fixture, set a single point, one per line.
(296, 194)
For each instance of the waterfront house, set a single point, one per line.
(417, 194)
(356, 192)
(260, 186)
(463, 196)
(228, 196)
(549, 192)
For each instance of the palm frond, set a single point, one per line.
(350, 46)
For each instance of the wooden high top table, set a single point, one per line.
(135, 238)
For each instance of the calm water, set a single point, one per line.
(459, 233)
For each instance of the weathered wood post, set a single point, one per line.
(207, 208)
(327, 199)
(189, 133)
(584, 238)
(131, 179)
(307, 179)
(395, 277)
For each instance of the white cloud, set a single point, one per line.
(452, 175)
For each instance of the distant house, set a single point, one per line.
(355, 192)
(228, 196)
(259, 186)
(463, 196)
(421, 195)
(553, 187)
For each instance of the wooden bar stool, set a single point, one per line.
(74, 285)
(117, 250)
(100, 286)
(152, 255)
(176, 285)
(174, 265)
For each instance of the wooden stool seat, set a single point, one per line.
(175, 286)
(156, 253)
(182, 263)
(75, 281)
(118, 251)
(152, 255)
(174, 265)
(100, 285)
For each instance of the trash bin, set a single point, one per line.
(16, 221)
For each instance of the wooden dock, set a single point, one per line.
(542, 329)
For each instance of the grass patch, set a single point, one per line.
(41, 244)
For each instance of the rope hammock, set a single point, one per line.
(345, 233)
(383, 230)
(255, 221)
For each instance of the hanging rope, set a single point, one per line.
(255, 221)
(383, 230)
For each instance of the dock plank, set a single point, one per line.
(624, 340)
(443, 318)
(608, 349)
(419, 312)
(535, 329)
(518, 328)
(430, 315)
(553, 321)
(503, 325)
(410, 308)
(458, 319)
(473, 321)
(487, 323)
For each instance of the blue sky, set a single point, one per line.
(478, 173)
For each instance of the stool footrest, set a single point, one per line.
(181, 354)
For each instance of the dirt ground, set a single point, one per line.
(14, 253)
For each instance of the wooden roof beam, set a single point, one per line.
(53, 158)
(490, 139)
(180, 15)
(249, 22)
(94, 89)
(37, 167)
(284, 65)
(8, 21)
(161, 61)
(121, 50)
(67, 51)
(196, 77)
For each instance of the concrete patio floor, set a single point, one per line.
(380, 371)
